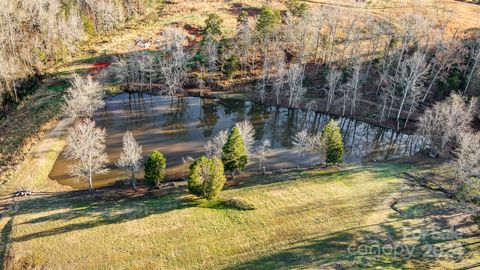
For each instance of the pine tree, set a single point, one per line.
(332, 139)
(267, 20)
(155, 168)
(234, 155)
(296, 7)
(213, 26)
(206, 178)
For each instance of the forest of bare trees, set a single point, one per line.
(37, 34)
(332, 59)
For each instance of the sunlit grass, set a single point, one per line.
(303, 219)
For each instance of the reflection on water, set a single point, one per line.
(179, 127)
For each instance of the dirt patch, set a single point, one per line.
(97, 67)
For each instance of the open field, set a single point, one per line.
(301, 220)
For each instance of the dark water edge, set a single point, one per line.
(180, 126)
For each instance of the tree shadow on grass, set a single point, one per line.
(107, 206)
(366, 247)
(323, 173)
(98, 209)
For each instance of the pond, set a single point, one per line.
(180, 127)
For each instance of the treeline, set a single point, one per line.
(446, 128)
(35, 34)
(328, 58)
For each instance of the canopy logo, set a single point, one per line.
(413, 242)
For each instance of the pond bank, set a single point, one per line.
(180, 126)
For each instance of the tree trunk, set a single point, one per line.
(90, 184)
(408, 115)
(431, 84)
(401, 107)
(134, 181)
(384, 106)
(471, 73)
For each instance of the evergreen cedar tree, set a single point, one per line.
(230, 66)
(296, 7)
(213, 26)
(155, 167)
(234, 155)
(268, 19)
(333, 142)
(206, 178)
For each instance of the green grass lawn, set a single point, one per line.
(301, 220)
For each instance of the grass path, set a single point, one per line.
(37, 166)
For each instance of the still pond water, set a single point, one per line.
(180, 127)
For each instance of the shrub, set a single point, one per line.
(206, 177)
(155, 168)
(88, 25)
(234, 154)
(332, 139)
(231, 65)
(469, 191)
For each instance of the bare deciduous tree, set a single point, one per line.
(333, 79)
(261, 152)
(131, 157)
(173, 63)
(467, 161)
(247, 132)
(301, 143)
(295, 76)
(244, 39)
(279, 77)
(345, 91)
(411, 78)
(447, 56)
(446, 121)
(354, 84)
(298, 32)
(213, 147)
(86, 145)
(83, 98)
(211, 51)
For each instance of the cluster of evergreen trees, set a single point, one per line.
(206, 178)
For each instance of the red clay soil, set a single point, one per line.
(97, 67)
